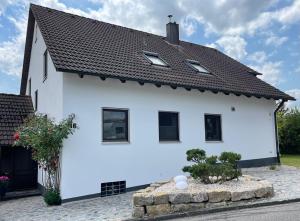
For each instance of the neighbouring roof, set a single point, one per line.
(13, 110)
(86, 46)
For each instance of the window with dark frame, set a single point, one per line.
(197, 67)
(155, 59)
(29, 87)
(213, 129)
(45, 66)
(168, 126)
(36, 94)
(114, 125)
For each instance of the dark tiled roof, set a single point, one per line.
(86, 46)
(13, 110)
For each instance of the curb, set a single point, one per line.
(216, 210)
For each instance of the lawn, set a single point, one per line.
(291, 160)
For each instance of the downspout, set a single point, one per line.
(276, 130)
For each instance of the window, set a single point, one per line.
(115, 125)
(36, 100)
(196, 66)
(168, 126)
(29, 87)
(45, 66)
(155, 59)
(213, 131)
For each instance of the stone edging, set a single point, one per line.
(163, 199)
(216, 210)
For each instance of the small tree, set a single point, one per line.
(213, 169)
(45, 138)
(288, 121)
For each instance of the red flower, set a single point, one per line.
(16, 136)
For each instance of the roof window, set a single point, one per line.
(197, 67)
(155, 59)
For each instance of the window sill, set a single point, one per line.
(214, 141)
(114, 142)
(169, 141)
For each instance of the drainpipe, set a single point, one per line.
(276, 130)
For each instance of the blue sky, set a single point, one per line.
(264, 34)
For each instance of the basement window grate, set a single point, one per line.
(113, 188)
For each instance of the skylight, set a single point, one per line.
(195, 65)
(155, 59)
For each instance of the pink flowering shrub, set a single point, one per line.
(4, 181)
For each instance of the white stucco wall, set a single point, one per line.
(50, 91)
(87, 161)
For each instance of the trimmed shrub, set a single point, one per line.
(213, 169)
(52, 197)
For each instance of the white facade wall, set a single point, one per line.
(50, 97)
(87, 161)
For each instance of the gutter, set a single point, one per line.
(276, 130)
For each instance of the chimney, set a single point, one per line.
(172, 31)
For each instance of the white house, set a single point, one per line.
(141, 101)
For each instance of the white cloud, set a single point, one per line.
(234, 46)
(296, 94)
(275, 40)
(270, 70)
(258, 57)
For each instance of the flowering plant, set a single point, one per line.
(4, 181)
(45, 138)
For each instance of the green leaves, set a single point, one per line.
(45, 138)
(288, 121)
(212, 169)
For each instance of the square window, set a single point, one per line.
(155, 59)
(115, 125)
(168, 126)
(213, 130)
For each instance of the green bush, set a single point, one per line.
(288, 121)
(52, 197)
(212, 169)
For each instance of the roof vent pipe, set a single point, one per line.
(172, 31)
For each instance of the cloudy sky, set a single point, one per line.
(264, 34)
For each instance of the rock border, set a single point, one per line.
(148, 203)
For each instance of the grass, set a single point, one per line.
(290, 160)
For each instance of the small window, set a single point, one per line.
(45, 66)
(29, 87)
(36, 94)
(168, 126)
(213, 130)
(115, 125)
(155, 59)
(196, 66)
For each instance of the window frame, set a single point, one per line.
(190, 63)
(221, 128)
(178, 127)
(36, 100)
(45, 65)
(29, 87)
(147, 53)
(126, 110)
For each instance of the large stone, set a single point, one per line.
(215, 196)
(198, 197)
(180, 208)
(142, 199)
(138, 212)
(158, 210)
(265, 191)
(160, 198)
(177, 198)
(242, 195)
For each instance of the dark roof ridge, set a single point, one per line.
(17, 95)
